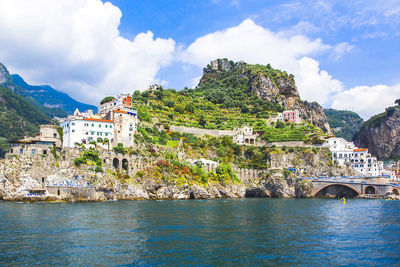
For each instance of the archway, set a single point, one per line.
(125, 165)
(370, 190)
(116, 164)
(395, 191)
(337, 191)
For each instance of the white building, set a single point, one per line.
(84, 130)
(364, 163)
(344, 152)
(245, 136)
(124, 122)
(122, 101)
(116, 122)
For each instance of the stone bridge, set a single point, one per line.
(343, 188)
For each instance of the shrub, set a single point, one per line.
(98, 169)
(106, 99)
(79, 161)
(119, 148)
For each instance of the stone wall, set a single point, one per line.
(201, 132)
(72, 192)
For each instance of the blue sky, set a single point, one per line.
(376, 40)
(344, 54)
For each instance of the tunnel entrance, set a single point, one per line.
(337, 191)
(370, 190)
(116, 163)
(125, 165)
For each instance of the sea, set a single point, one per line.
(218, 232)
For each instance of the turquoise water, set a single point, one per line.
(202, 232)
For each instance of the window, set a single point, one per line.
(92, 124)
(33, 151)
(106, 134)
(91, 133)
(55, 135)
(21, 150)
(106, 126)
(86, 133)
(44, 152)
(86, 124)
(73, 124)
(110, 126)
(99, 125)
(73, 130)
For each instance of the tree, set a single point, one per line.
(119, 148)
(397, 102)
(189, 107)
(106, 99)
(202, 121)
(106, 141)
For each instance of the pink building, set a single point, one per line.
(290, 116)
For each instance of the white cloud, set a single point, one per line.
(341, 49)
(302, 27)
(255, 44)
(315, 84)
(75, 45)
(367, 100)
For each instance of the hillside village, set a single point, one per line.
(260, 141)
(116, 125)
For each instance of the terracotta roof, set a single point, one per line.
(99, 120)
(119, 111)
(360, 149)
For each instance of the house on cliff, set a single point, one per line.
(47, 139)
(116, 122)
(344, 152)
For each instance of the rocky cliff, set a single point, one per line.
(381, 134)
(265, 82)
(21, 175)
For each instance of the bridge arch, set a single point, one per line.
(370, 190)
(395, 191)
(116, 163)
(337, 190)
(125, 165)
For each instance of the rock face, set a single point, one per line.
(4, 74)
(381, 134)
(280, 89)
(20, 176)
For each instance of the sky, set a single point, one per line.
(344, 54)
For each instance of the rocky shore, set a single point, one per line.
(48, 179)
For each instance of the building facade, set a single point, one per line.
(122, 101)
(85, 130)
(43, 143)
(292, 116)
(116, 122)
(344, 152)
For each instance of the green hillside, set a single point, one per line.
(344, 123)
(18, 117)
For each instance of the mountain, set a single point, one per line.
(51, 98)
(343, 123)
(24, 107)
(381, 134)
(18, 117)
(6, 80)
(236, 83)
